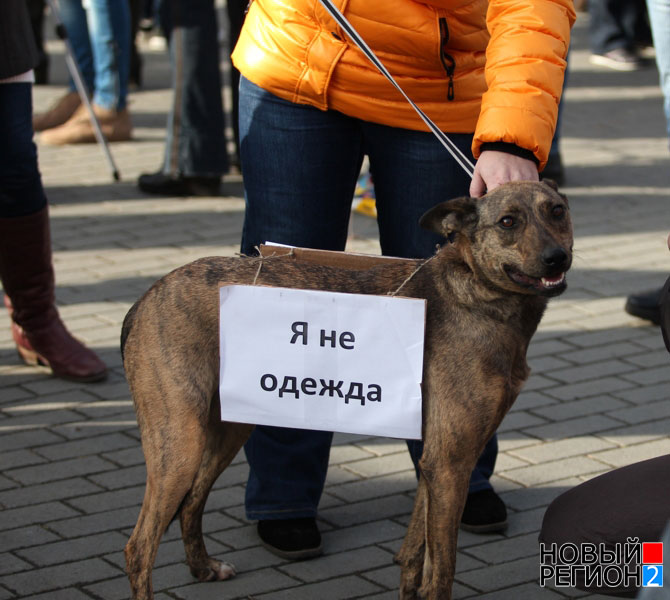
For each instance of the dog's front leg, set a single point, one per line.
(411, 555)
(446, 489)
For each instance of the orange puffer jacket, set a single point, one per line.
(493, 67)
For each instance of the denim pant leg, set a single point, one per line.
(109, 31)
(412, 172)
(659, 17)
(73, 16)
(300, 166)
(613, 24)
(195, 144)
(21, 191)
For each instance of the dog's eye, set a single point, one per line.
(558, 211)
(507, 222)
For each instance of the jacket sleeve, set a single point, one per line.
(525, 64)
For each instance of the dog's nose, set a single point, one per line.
(554, 257)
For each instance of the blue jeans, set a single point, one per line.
(21, 191)
(195, 144)
(659, 18)
(300, 167)
(99, 33)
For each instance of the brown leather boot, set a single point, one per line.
(27, 277)
(59, 112)
(114, 124)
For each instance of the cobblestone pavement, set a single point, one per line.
(72, 473)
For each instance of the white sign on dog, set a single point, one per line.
(321, 360)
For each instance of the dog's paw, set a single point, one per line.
(221, 570)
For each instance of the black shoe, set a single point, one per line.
(484, 512)
(168, 185)
(645, 305)
(554, 169)
(295, 539)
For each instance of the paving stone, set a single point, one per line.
(551, 471)
(60, 470)
(45, 492)
(548, 451)
(40, 580)
(338, 565)
(338, 589)
(73, 550)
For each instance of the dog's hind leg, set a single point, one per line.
(411, 554)
(223, 442)
(173, 455)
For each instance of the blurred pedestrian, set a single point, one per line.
(99, 34)
(195, 147)
(26, 269)
(617, 30)
(645, 305)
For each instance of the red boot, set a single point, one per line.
(27, 277)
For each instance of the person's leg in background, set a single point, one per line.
(236, 11)
(613, 27)
(645, 305)
(413, 173)
(195, 149)
(300, 166)
(73, 17)
(108, 25)
(26, 269)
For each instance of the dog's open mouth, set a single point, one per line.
(541, 284)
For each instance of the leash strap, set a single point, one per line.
(459, 157)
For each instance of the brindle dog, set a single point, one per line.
(485, 291)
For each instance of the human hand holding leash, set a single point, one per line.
(495, 168)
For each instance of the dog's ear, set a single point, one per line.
(554, 186)
(450, 216)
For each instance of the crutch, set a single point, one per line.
(75, 73)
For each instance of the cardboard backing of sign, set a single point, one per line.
(331, 258)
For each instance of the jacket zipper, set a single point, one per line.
(448, 61)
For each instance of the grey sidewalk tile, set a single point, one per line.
(99, 522)
(592, 371)
(511, 573)
(553, 471)
(525, 498)
(632, 454)
(41, 580)
(519, 420)
(623, 349)
(581, 407)
(649, 376)
(567, 448)
(367, 511)
(243, 586)
(652, 411)
(39, 420)
(642, 395)
(64, 594)
(506, 550)
(23, 537)
(365, 489)
(63, 469)
(574, 427)
(10, 563)
(19, 458)
(64, 489)
(84, 447)
(378, 466)
(33, 515)
(359, 536)
(527, 591)
(342, 588)
(73, 550)
(338, 565)
(594, 387)
(636, 434)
